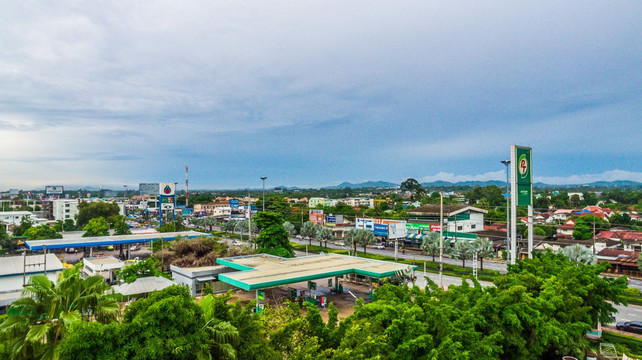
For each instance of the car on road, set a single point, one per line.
(379, 246)
(630, 326)
(339, 243)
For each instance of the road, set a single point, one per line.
(499, 266)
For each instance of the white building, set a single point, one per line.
(196, 277)
(460, 218)
(64, 209)
(13, 218)
(104, 266)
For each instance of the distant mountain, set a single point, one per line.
(616, 183)
(440, 183)
(367, 184)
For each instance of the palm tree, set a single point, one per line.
(308, 230)
(462, 250)
(210, 221)
(289, 227)
(324, 234)
(484, 249)
(364, 237)
(224, 334)
(579, 254)
(41, 317)
(430, 244)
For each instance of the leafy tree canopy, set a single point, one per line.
(96, 227)
(95, 209)
(145, 268)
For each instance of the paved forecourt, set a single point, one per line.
(263, 271)
(52, 244)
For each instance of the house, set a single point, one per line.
(459, 218)
(565, 230)
(217, 209)
(105, 266)
(562, 214)
(196, 277)
(622, 261)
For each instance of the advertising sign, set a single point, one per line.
(316, 217)
(54, 190)
(381, 230)
(366, 224)
(166, 189)
(331, 219)
(397, 230)
(524, 175)
(234, 203)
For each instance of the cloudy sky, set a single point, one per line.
(314, 93)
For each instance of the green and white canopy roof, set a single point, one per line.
(264, 271)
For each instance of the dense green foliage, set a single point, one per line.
(540, 310)
(39, 320)
(95, 209)
(96, 227)
(144, 268)
(273, 238)
(584, 226)
(42, 232)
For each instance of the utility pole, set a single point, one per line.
(441, 238)
(507, 163)
(593, 236)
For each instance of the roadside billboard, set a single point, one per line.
(316, 217)
(366, 224)
(381, 230)
(148, 188)
(397, 230)
(54, 190)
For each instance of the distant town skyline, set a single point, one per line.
(312, 94)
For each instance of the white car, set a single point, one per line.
(237, 242)
(379, 246)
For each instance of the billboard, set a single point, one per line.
(381, 230)
(316, 217)
(54, 190)
(366, 224)
(148, 188)
(234, 203)
(397, 230)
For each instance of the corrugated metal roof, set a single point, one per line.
(143, 285)
(52, 244)
(14, 265)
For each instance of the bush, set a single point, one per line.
(634, 345)
(632, 292)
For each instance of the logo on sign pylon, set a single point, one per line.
(167, 190)
(523, 166)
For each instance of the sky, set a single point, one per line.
(314, 93)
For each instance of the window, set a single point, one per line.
(473, 226)
(460, 228)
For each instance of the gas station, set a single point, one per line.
(261, 271)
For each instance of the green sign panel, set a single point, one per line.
(261, 295)
(524, 176)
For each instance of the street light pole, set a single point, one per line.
(507, 163)
(263, 178)
(441, 238)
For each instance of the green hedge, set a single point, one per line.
(634, 345)
(432, 267)
(632, 300)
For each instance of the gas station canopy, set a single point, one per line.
(264, 271)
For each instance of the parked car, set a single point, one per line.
(379, 246)
(339, 243)
(71, 250)
(630, 326)
(134, 248)
(237, 242)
